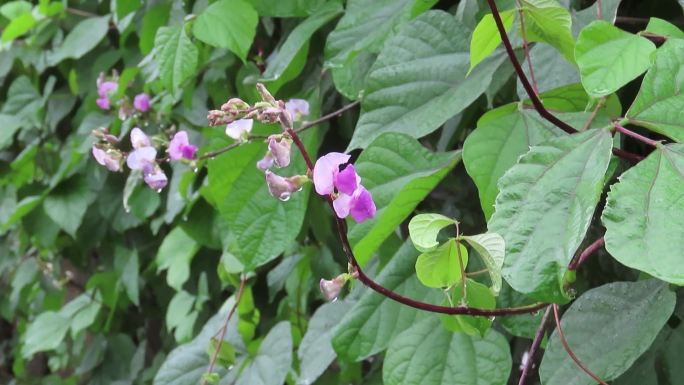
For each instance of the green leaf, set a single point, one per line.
(545, 207)
(419, 80)
(226, 353)
(364, 330)
(477, 295)
(154, 18)
(428, 354)
(229, 24)
(81, 40)
(608, 328)
(441, 267)
(365, 26)
(501, 137)
(298, 38)
(548, 22)
(664, 28)
(486, 36)
(261, 226)
(129, 274)
(424, 228)
(180, 315)
(289, 8)
(13, 9)
(186, 364)
(492, 249)
(399, 172)
(609, 58)
(350, 80)
(23, 208)
(10, 125)
(18, 26)
(316, 351)
(176, 56)
(551, 70)
(67, 204)
(175, 254)
(660, 101)
(644, 215)
(46, 332)
(273, 360)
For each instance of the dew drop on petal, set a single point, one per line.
(127, 210)
(285, 196)
(195, 170)
(159, 191)
(334, 299)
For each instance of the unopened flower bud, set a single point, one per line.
(283, 188)
(265, 95)
(269, 115)
(331, 288)
(279, 147)
(234, 106)
(217, 118)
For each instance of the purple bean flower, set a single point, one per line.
(333, 175)
(180, 147)
(279, 147)
(154, 177)
(139, 139)
(104, 88)
(108, 158)
(239, 128)
(297, 108)
(141, 102)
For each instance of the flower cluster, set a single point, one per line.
(106, 88)
(334, 176)
(143, 156)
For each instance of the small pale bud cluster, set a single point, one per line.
(239, 116)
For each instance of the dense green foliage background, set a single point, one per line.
(106, 281)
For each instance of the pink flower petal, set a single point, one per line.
(156, 179)
(325, 169)
(297, 108)
(105, 88)
(142, 157)
(342, 205)
(266, 162)
(103, 103)
(347, 180)
(362, 206)
(99, 155)
(176, 145)
(141, 102)
(280, 150)
(236, 129)
(139, 139)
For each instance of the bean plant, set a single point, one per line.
(399, 192)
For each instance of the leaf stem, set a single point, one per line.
(572, 355)
(224, 328)
(526, 47)
(634, 135)
(538, 336)
(586, 253)
(464, 293)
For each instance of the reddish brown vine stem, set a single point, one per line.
(572, 355)
(529, 89)
(538, 336)
(366, 280)
(586, 253)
